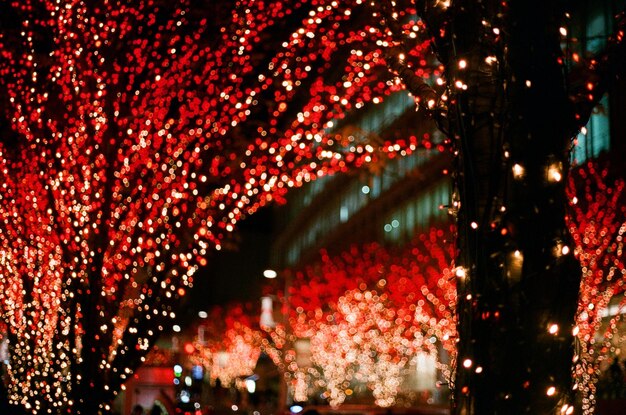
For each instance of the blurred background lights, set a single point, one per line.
(518, 171)
(270, 273)
(250, 385)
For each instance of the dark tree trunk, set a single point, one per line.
(512, 125)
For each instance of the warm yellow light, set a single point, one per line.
(518, 171)
(554, 172)
(270, 273)
(553, 328)
(551, 391)
(516, 264)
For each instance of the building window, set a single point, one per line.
(595, 137)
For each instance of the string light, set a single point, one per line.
(518, 171)
(554, 172)
(112, 204)
(144, 156)
(230, 346)
(460, 272)
(553, 329)
(365, 326)
(597, 224)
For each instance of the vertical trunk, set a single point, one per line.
(518, 298)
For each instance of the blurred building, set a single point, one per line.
(391, 201)
(395, 200)
(388, 203)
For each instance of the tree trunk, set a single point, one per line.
(512, 126)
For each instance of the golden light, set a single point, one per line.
(460, 272)
(270, 274)
(553, 328)
(518, 171)
(515, 262)
(554, 172)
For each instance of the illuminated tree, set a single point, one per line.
(367, 312)
(365, 341)
(229, 346)
(517, 89)
(597, 223)
(134, 136)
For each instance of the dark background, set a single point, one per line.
(235, 274)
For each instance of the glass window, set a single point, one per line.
(596, 30)
(343, 214)
(597, 137)
(376, 186)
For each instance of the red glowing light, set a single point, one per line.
(144, 133)
(597, 223)
(189, 348)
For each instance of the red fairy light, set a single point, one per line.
(597, 223)
(143, 134)
(229, 346)
(371, 308)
